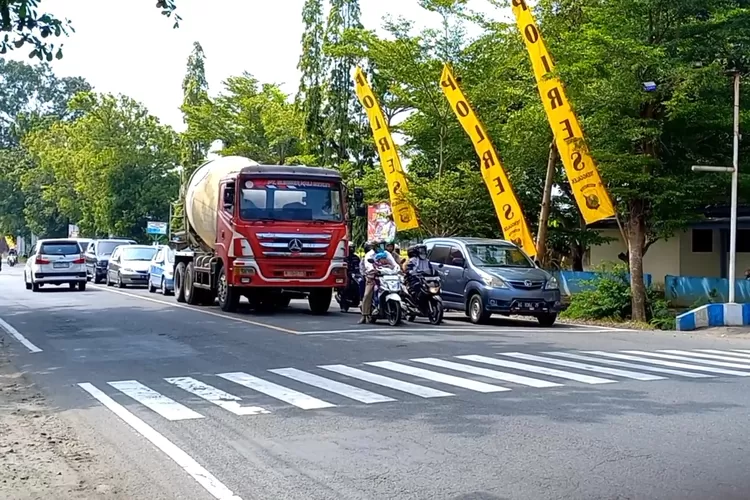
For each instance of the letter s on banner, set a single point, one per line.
(404, 214)
(591, 196)
(507, 208)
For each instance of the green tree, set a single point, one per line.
(252, 120)
(340, 102)
(645, 142)
(111, 170)
(23, 24)
(30, 95)
(194, 148)
(312, 66)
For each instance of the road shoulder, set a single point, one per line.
(40, 454)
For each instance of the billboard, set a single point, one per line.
(380, 224)
(156, 228)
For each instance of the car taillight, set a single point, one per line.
(80, 260)
(338, 271)
(40, 261)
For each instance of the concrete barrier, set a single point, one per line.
(572, 282)
(714, 315)
(685, 291)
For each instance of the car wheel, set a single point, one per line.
(72, 286)
(98, 280)
(164, 290)
(82, 286)
(34, 287)
(120, 284)
(151, 287)
(477, 314)
(547, 319)
(109, 282)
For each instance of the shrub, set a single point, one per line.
(608, 298)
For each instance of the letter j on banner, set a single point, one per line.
(507, 208)
(404, 214)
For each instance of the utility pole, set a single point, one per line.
(734, 169)
(541, 238)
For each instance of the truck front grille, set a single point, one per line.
(294, 244)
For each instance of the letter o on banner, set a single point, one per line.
(531, 33)
(368, 101)
(462, 108)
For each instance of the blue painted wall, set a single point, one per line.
(576, 281)
(686, 291)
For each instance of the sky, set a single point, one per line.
(127, 47)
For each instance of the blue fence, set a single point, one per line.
(576, 281)
(685, 291)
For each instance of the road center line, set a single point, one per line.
(202, 311)
(215, 487)
(17, 335)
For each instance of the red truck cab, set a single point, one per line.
(282, 233)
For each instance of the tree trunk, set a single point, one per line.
(541, 237)
(636, 232)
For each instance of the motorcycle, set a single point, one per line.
(12, 259)
(387, 302)
(423, 299)
(349, 296)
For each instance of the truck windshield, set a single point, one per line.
(291, 200)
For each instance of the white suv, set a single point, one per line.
(55, 262)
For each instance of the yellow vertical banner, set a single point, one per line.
(507, 208)
(404, 214)
(590, 194)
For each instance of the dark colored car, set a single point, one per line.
(97, 257)
(483, 277)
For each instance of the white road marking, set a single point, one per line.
(212, 485)
(672, 364)
(164, 406)
(279, 392)
(345, 390)
(582, 366)
(485, 372)
(706, 356)
(399, 385)
(216, 396)
(727, 353)
(625, 364)
(17, 335)
(691, 359)
(438, 377)
(747, 351)
(443, 329)
(586, 379)
(199, 310)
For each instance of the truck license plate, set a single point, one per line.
(294, 274)
(60, 265)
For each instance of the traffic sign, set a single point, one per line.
(156, 228)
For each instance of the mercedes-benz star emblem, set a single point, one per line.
(527, 283)
(295, 245)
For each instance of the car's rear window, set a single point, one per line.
(107, 247)
(61, 248)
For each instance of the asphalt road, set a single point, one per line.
(139, 376)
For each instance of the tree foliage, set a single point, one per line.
(23, 24)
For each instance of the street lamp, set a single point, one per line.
(735, 177)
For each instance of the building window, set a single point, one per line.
(743, 240)
(703, 240)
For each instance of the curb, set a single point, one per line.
(714, 315)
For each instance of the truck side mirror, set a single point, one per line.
(228, 198)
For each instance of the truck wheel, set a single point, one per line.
(192, 294)
(179, 282)
(320, 300)
(228, 296)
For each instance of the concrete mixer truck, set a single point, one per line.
(269, 233)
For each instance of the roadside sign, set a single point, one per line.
(73, 231)
(156, 228)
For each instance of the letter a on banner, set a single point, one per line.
(590, 194)
(404, 214)
(507, 208)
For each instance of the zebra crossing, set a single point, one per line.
(388, 382)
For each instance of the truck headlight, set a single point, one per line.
(552, 284)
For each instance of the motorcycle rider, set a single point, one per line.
(418, 263)
(12, 253)
(376, 254)
(391, 248)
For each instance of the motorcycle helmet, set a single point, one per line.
(421, 251)
(412, 251)
(381, 255)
